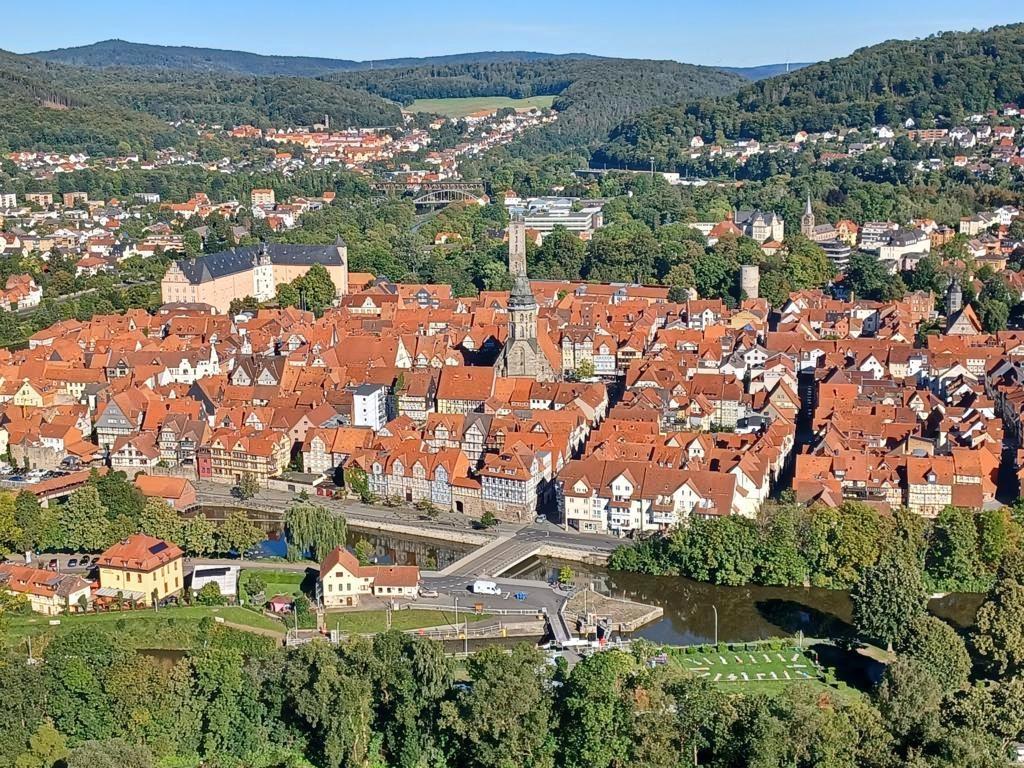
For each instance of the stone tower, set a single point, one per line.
(750, 280)
(522, 355)
(954, 297)
(516, 246)
(807, 221)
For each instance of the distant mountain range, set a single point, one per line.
(765, 70)
(121, 53)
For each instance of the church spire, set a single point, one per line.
(807, 220)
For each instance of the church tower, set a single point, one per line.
(807, 221)
(517, 245)
(954, 298)
(522, 355)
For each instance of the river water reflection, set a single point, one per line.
(744, 613)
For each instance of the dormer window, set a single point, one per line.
(931, 478)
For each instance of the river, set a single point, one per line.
(744, 613)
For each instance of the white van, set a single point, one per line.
(481, 587)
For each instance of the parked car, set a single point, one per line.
(425, 592)
(53, 564)
(73, 562)
(541, 519)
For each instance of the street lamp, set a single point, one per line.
(652, 166)
(715, 610)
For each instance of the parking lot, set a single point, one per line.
(12, 477)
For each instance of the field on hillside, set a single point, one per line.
(467, 106)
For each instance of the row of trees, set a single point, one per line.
(107, 509)
(791, 545)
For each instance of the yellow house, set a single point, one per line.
(140, 568)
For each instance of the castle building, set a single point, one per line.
(254, 271)
(522, 355)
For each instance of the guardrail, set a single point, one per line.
(470, 609)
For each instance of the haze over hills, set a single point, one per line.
(944, 75)
(122, 53)
(761, 71)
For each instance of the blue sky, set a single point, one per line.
(741, 32)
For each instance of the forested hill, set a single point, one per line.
(947, 74)
(592, 95)
(56, 107)
(121, 53)
(41, 109)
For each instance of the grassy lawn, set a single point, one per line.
(752, 671)
(367, 622)
(168, 628)
(277, 582)
(467, 106)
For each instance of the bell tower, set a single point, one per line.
(517, 245)
(807, 221)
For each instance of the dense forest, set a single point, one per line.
(397, 701)
(592, 95)
(41, 109)
(946, 76)
(54, 107)
(121, 53)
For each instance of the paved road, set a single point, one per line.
(277, 501)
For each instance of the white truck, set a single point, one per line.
(484, 587)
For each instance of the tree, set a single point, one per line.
(317, 289)
(909, 700)
(161, 520)
(952, 559)
(939, 649)
(998, 635)
(247, 487)
(315, 529)
(595, 714)
(585, 370)
(28, 516)
(357, 482)
(566, 575)
(10, 533)
(364, 551)
(778, 557)
(198, 535)
(888, 597)
(993, 314)
(488, 520)
(868, 278)
(209, 594)
(287, 295)
(998, 533)
(238, 533)
(120, 497)
(504, 719)
(47, 748)
(84, 524)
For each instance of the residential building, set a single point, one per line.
(140, 569)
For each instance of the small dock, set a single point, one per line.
(588, 608)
